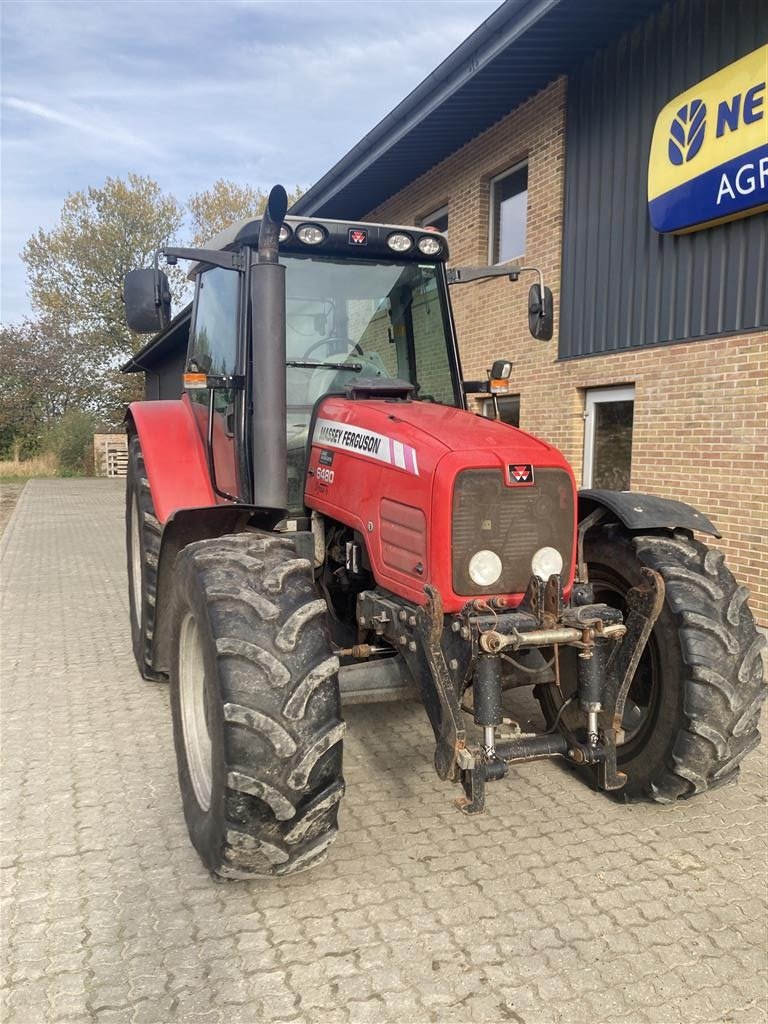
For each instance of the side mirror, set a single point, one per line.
(147, 297)
(540, 313)
(501, 370)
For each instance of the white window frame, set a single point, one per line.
(441, 211)
(596, 396)
(492, 217)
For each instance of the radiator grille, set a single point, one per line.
(512, 521)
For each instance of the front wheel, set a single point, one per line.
(256, 708)
(693, 706)
(142, 532)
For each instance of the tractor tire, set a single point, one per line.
(694, 704)
(256, 708)
(142, 532)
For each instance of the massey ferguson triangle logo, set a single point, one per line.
(521, 474)
(686, 133)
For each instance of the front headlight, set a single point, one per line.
(484, 568)
(547, 562)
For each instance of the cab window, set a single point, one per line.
(213, 344)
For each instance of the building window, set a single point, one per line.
(608, 438)
(509, 214)
(438, 219)
(509, 409)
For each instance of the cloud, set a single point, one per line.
(258, 92)
(105, 132)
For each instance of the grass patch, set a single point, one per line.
(18, 470)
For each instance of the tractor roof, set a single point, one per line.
(345, 238)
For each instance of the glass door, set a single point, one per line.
(608, 420)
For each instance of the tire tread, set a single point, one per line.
(720, 647)
(280, 704)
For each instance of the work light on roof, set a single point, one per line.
(400, 242)
(285, 233)
(310, 234)
(429, 245)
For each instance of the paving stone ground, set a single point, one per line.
(558, 905)
(9, 495)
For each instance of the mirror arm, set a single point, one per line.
(534, 270)
(463, 275)
(212, 257)
(164, 316)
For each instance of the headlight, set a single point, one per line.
(484, 568)
(547, 562)
(429, 246)
(400, 242)
(310, 234)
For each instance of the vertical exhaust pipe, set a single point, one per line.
(269, 421)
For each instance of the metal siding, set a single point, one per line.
(624, 285)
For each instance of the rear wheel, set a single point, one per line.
(143, 548)
(693, 706)
(256, 709)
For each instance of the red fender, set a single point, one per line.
(174, 456)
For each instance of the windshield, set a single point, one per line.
(354, 319)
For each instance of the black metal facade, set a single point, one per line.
(623, 285)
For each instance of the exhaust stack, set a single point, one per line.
(268, 441)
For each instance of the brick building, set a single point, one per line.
(532, 142)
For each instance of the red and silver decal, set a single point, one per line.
(520, 473)
(331, 434)
(358, 236)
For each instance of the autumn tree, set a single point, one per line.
(224, 203)
(48, 373)
(76, 270)
(69, 356)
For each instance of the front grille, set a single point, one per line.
(512, 521)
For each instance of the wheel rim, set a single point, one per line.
(642, 705)
(194, 719)
(135, 558)
(641, 710)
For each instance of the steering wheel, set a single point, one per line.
(351, 346)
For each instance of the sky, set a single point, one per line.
(256, 91)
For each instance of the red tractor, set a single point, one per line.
(319, 508)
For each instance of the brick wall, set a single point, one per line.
(700, 407)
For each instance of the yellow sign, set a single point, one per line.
(709, 152)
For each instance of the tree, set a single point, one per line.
(47, 373)
(224, 203)
(76, 270)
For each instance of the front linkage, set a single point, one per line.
(445, 654)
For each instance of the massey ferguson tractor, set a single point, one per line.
(319, 508)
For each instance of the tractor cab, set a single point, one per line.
(363, 303)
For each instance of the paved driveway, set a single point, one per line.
(556, 905)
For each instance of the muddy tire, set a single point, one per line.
(256, 709)
(142, 532)
(695, 700)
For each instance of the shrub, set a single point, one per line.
(70, 439)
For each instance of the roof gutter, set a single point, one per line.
(503, 27)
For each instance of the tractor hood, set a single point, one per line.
(427, 484)
(429, 430)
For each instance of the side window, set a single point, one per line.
(509, 409)
(438, 219)
(509, 214)
(213, 344)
